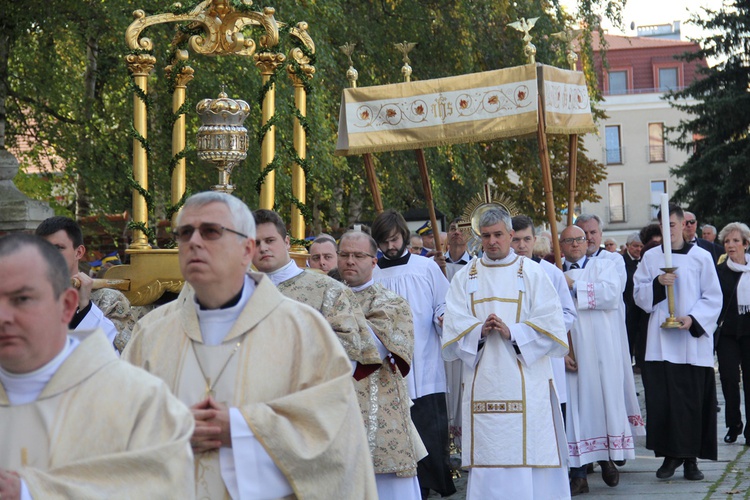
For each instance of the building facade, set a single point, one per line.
(632, 140)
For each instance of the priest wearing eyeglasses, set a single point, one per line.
(267, 380)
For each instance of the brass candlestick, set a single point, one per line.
(671, 321)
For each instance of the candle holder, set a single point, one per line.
(671, 321)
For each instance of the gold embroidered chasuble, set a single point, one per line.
(290, 379)
(338, 306)
(100, 428)
(510, 413)
(383, 396)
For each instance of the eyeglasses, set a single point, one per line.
(356, 255)
(570, 241)
(691, 221)
(209, 231)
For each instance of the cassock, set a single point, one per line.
(295, 422)
(513, 435)
(335, 302)
(92, 317)
(598, 423)
(422, 284)
(678, 375)
(384, 398)
(89, 426)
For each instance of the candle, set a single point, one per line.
(666, 235)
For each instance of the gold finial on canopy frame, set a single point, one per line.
(567, 37)
(405, 48)
(351, 74)
(525, 25)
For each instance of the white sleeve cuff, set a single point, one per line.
(25, 494)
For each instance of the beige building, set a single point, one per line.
(630, 142)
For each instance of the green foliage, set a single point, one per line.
(69, 87)
(715, 179)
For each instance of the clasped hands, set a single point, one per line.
(494, 323)
(211, 426)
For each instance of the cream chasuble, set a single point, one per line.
(335, 302)
(511, 416)
(100, 428)
(290, 379)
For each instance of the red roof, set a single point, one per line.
(617, 42)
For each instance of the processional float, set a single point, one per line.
(210, 28)
(524, 101)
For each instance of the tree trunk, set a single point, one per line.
(4, 53)
(83, 205)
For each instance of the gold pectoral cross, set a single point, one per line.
(209, 390)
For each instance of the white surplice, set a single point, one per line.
(696, 293)
(512, 425)
(424, 287)
(598, 424)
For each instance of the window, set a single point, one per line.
(612, 144)
(618, 82)
(657, 189)
(667, 79)
(656, 152)
(616, 202)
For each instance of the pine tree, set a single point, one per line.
(716, 177)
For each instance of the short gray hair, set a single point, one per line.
(587, 217)
(241, 216)
(493, 215)
(735, 226)
(58, 274)
(709, 226)
(634, 236)
(360, 235)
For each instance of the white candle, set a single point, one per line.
(666, 235)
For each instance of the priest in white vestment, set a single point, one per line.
(267, 379)
(678, 373)
(75, 421)
(504, 320)
(598, 424)
(420, 281)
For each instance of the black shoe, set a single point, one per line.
(732, 433)
(620, 463)
(590, 468)
(578, 485)
(668, 467)
(610, 474)
(691, 471)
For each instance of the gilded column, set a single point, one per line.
(181, 80)
(268, 62)
(140, 65)
(299, 77)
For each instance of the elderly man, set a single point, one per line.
(415, 244)
(423, 286)
(323, 253)
(708, 233)
(384, 397)
(634, 315)
(269, 383)
(599, 425)
(324, 294)
(76, 421)
(504, 321)
(678, 374)
(690, 236)
(65, 234)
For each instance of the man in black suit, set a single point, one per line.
(634, 315)
(688, 234)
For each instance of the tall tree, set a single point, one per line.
(715, 179)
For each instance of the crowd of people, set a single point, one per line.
(349, 378)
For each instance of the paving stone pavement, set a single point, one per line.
(726, 478)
